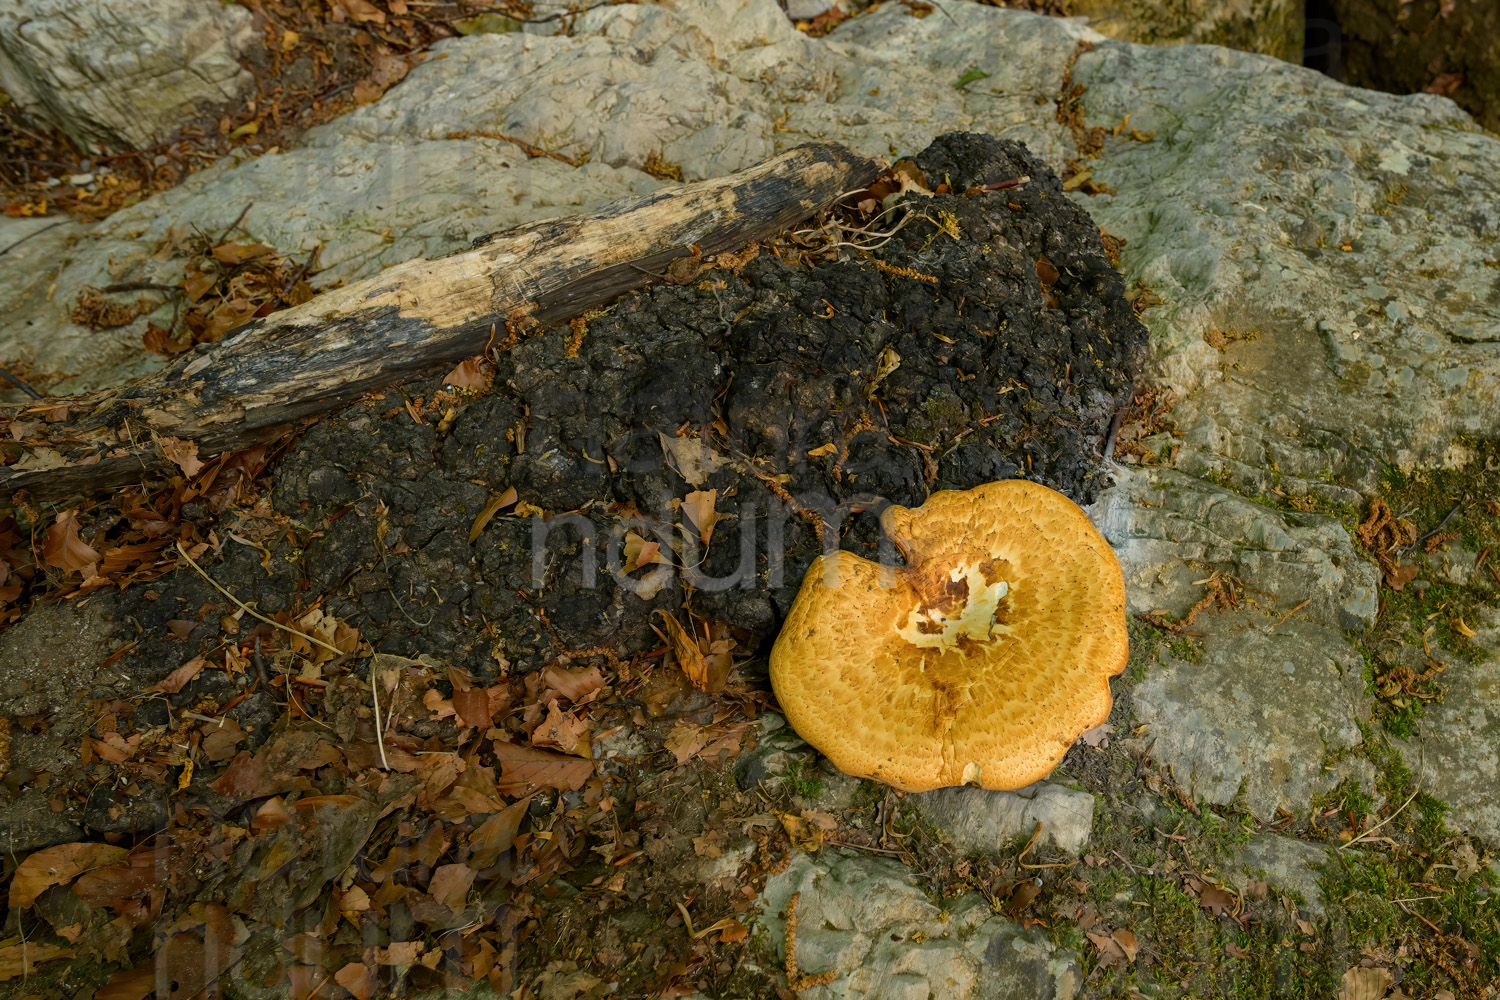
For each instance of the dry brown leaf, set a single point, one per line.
(22, 959)
(174, 682)
(1216, 900)
(1463, 629)
(64, 549)
(238, 253)
(1361, 983)
(579, 685)
(827, 449)
(699, 509)
(450, 885)
(399, 953)
(1098, 737)
(686, 739)
(473, 707)
(803, 835)
(357, 11)
(57, 866)
(495, 504)
(523, 770)
(494, 836)
(691, 458)
(358, 980)
(1127, 942)
(1110, 952)
(562, 730)
(466, 375)
(184, 454)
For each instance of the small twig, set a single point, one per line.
(34, 232)
(1114, 432)
(1441, 524)
(379, 740)
(1436, 929)
(570, 11)
(1409, 798)
(16, 381)
(235, 224)
(205, 718)
(248, 609)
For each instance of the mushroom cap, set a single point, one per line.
(980, 661)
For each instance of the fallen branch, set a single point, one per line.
(405, 321)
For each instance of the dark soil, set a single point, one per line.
(994, 382)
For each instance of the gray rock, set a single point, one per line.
(1347, 358)
(1456, 756)
(1259, 714)
(1172, 530)
(123, 72)
(806, 10)
(865, 918)
(1285, 863)
(984, 821)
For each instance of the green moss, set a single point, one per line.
(803, 779)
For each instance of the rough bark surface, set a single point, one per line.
(328, 352)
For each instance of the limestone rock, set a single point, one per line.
(866, 919)
(979, 820)
(123, 72)
(1286, 864)
(1457, 750)
(1257, 717)
(1172, 530)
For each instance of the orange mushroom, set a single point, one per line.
(980, 661)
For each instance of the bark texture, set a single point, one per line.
(408, 319)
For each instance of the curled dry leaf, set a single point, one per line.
(698, 508)
(174, 682)
(639, 552)
(22, 959)
(689, 656)
(184, 454)
(495, 504)
(467, 374)
(56, 866)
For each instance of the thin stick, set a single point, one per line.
(379, 740)
(248, 609)
(1393, 815)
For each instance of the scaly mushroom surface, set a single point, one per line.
(980, 661)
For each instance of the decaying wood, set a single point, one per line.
(407, 320)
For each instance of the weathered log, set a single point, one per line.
(408, 319)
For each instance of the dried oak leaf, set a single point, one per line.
(56, 866)
(22, 959)
(64, 549)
